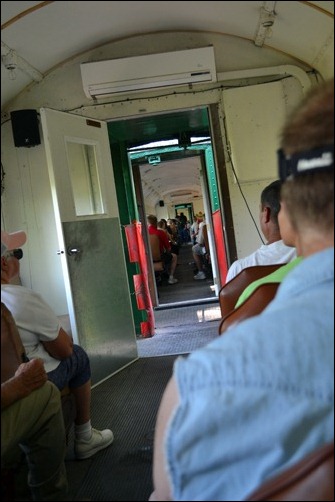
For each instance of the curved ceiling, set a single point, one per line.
(174, 182)
(38, 36)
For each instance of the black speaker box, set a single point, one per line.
(161, 203)
(25, 128)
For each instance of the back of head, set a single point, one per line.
(152, 220)
(162, 224)
(306, 162)
(270, 197)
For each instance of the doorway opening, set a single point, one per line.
(172, 168)
(166, 181)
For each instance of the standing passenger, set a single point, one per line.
(199, 251)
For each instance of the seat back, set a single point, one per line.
(312, 478)
(252, 306)
(155, 253)
(231, 291)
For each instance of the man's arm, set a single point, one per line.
(61, 347)
(170, 399)
(164, 240)
(28, 377)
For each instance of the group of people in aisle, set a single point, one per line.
(169, 233)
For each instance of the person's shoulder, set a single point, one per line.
(234, 269)
(317, 267)
(279, 244)
(288, 266)
(242, 263)
(248, 260)
(154, 231)
(17, 289)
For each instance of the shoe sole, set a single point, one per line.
(89, 454)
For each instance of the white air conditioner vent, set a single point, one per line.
(191, 66)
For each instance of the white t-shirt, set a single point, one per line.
(267, 254)
(200, 237)
(35, 321)
(194, 227)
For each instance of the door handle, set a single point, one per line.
(73, 251)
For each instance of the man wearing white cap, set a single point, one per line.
(67, 364)
(12, 241)
(31, 413)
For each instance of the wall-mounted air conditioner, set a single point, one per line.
(192, 66)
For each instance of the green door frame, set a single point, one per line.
(128, 213)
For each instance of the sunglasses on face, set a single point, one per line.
(17, 253)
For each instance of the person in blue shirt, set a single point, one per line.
(257, 400)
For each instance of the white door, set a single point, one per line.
(90, 240)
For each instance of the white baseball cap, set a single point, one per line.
(10, 241)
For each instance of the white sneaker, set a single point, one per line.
(99, 440)
(199, 276)
(172, 280)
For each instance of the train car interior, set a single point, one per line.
(110, 112)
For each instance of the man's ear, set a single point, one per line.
(3, 263)
(267, 214)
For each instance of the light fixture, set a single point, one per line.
(265, 23)
(10, 63)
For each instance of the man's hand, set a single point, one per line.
(32, 375)
(28, 377)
